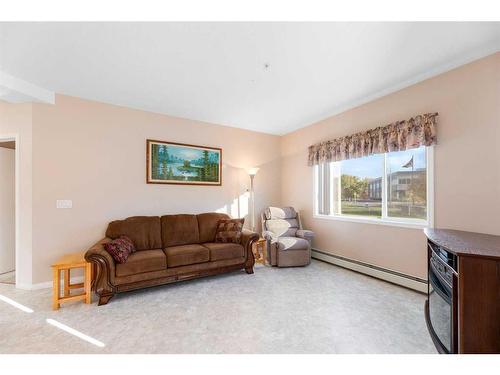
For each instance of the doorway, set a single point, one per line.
(7, 211)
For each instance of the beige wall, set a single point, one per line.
(467, 165)
(95, 155)
(16, 122)
(7, 210)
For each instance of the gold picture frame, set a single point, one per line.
(182, 164)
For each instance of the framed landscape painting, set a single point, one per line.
(183, 164)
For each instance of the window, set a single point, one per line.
(361, 186)
(388, 188)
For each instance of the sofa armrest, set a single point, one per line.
(247, 239)
(306, 234)
(104, 266)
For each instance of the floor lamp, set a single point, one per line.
(252, 172)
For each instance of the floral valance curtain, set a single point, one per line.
(398, 136)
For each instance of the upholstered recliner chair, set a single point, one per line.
(288, 244)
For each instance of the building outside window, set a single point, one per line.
(390, 187)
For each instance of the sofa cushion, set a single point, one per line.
(184, 255)
(207, 225)
(292, 243)
(142, 261)
(179, 230)
(229, 230)
(120, 248)
(221, 251)
(144, 231)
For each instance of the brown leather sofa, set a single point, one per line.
(169, 248)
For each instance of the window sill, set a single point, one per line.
(412, 224)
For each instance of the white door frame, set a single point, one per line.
(15, 138)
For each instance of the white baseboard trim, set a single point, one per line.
(46, 284)
(394, 277)
(23, 286)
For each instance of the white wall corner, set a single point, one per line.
(15, 90)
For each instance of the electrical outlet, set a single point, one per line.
(64, 203)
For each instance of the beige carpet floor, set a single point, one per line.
(316, 309)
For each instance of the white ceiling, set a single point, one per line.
(216, 72)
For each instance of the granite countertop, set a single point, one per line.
(466, 243)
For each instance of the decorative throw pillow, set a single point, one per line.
(120, 248)
(229, 230)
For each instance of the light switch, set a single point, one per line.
(64, 203)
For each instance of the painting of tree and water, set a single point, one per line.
(173, 163)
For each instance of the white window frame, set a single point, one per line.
(384, 220)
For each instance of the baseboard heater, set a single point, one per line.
(394, 277)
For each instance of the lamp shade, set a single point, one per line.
(252, 171)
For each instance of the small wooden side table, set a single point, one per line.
(65, 264)
(260, 251)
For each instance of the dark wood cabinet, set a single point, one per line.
(463, 306)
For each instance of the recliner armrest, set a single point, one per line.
(268, 235)
(306, 234)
